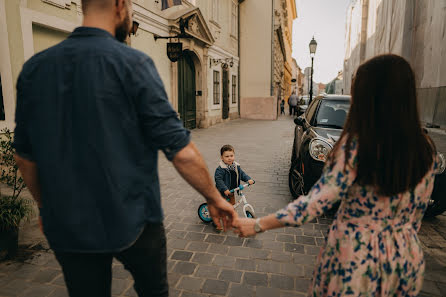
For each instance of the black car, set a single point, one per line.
(316, 132)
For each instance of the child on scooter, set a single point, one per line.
(229, 173)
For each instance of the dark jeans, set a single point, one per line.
(90, 275)
(293, 110)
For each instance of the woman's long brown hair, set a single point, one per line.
(394, 153)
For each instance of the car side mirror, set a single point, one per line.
(299, 121)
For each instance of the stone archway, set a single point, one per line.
(190, 89)
(196, 50)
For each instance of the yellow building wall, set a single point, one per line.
(255, 48)
(44, 38)
(15, 38)
(15, 35)
(70, 15)
(221, 28)
(157, 50)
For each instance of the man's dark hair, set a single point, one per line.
(226, 148)
(86, 4)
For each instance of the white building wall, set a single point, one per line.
(410, 28)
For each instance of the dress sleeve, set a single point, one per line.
(330, 188)
(428, 183)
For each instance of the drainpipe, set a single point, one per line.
(239, 60)
(272, 48)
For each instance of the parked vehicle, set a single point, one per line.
(437, 203)
(315, 134)
(303, 104)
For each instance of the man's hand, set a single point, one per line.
(221, 209)
(227, 192)
(251, 182)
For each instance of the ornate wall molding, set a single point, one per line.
(65, 4)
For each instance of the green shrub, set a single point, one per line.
(12, 208)
(13, 211)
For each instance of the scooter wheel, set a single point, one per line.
(203, 213)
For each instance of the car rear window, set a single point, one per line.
(332, 113)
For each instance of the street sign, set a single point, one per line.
(174, 50)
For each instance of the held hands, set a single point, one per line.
(244, 227)
(221, 210)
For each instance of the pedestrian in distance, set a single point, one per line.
(292, 101)
(372, 248)
(91, 115)
(282, 107)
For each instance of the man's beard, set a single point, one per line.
(123, 29)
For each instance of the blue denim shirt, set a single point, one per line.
(92, 113)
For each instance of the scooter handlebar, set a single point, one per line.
(241, 187)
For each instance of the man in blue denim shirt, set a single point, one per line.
(91, 115)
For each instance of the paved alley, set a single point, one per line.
(204, 263)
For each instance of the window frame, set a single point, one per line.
(2, 102)
(311, 109)
(216, 87)
(234, 89)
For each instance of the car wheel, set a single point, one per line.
(295, 180)
(437, 203)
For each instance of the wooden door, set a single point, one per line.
(186, 92)
(225, 94)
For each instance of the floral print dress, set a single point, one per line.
(372, 248)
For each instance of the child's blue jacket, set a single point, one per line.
(223, 177)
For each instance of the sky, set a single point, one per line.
(325, 20)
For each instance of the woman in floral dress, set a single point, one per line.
(382, 170)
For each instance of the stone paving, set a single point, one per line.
(205, 263)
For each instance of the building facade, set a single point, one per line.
(297, 78)
(307, 83)
(320, 88)
(413, 29)
(202, 85)
(265, 56)
(336, 86)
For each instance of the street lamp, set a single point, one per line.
(313, 45)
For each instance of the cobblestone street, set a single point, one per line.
(205, 263)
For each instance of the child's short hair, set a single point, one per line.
(226, 148)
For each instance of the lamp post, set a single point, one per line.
(313, 45)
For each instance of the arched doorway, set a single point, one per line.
(187, 106)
